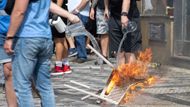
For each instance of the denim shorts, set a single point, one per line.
(4, 57)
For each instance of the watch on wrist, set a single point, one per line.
(124, 14)
(8, 38)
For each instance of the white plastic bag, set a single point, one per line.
(59, 24)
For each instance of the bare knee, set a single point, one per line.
(7, 70)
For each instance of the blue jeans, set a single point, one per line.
(31, 62)
(81, 40)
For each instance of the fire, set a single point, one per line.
(131, 73)
(114, 80)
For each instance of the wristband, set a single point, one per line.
(8, 38)
(124, 14)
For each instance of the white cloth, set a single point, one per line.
(147, 5)
(72, 4)
(2, 12)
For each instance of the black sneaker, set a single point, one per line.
(72, 52)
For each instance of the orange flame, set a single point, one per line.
(137, 70)
(114, 80)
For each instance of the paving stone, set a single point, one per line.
(172, 89)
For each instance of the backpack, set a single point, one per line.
(10, 5)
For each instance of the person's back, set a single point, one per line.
(35, 22)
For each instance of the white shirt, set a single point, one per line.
(2, 12)
(72, 4)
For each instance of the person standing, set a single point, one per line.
(61, 62)
(101, 24)
(30, 30)
(119, 13)
(81, 8)
(5, 59)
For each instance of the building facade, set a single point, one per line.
(165, 26)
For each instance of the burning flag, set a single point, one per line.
(136, 72)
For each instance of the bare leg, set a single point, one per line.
(59, 46)
(65, 50)
(71, 42)
(9, 90)
(104, 44)
(130, 57)
(121, 58)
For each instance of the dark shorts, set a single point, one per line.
(132, 43)
(55, 33)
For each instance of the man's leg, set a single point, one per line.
(102, 30)
(5, 60)
(104, 44)
(81, 41)
(42, 75)
(9, 90)
(23, 63)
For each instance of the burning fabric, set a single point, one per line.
(135, 73)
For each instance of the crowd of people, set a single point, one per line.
(26, 44)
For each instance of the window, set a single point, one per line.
(157, 7)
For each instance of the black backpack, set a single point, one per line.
(10, 5)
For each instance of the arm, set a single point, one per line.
(125, 9)
(60, 2)
(106, 12)
(94, 3)
(17, 16)
(126, 5)
(80, 7)
(61, 12)
(92, 11)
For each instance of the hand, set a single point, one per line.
(92, 13)
(75, 11)
(54, 17)
(73, 18)
(106, 14)
(8, 46)
(124, 21)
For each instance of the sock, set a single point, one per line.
(58, 63)
(65, 61)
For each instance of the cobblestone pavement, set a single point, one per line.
(172, 90)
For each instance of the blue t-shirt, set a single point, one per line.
(4, 18)
(35, 22)
(4, 23)
(3, 4)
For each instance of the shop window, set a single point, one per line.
(157, 7)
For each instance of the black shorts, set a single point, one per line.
(133, 41)
(55, 33)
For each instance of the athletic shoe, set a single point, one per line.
(66, 69)
(58, 71)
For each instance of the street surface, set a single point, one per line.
(172, 89)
